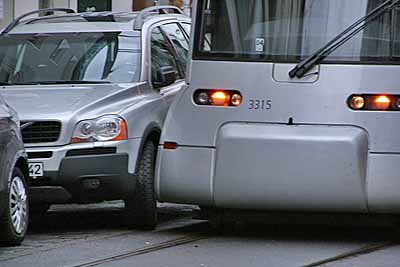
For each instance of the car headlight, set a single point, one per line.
(107, 128)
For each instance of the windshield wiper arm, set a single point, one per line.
(304, 66)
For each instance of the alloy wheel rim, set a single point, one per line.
(18, 205)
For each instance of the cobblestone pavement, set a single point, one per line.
(92, 235)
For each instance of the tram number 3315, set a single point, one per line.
(260, 104)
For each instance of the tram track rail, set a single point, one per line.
(352, 254)
(147, 249)
(364, 250)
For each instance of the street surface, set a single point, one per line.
(92, 235)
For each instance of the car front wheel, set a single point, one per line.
(141, 207)
(14, 222)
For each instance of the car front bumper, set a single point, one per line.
(80, 173)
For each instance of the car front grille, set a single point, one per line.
(40, 131)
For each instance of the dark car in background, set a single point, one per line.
(14, 208)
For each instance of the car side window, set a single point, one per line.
(180, 43)
(187, 27)
(161, 57)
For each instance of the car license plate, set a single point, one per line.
(36, 169)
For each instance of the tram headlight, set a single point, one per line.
(374, 102)
(236, 99)
(357, 102)
(203, 98)
(217, 97)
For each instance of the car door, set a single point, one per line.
(180, 43)
(187, 27)
(4, 138)
(164, 53)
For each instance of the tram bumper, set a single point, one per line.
(384, 183)
(299, 167)
(260, 166)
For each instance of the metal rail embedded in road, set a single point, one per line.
(147, 249)
(353, 253)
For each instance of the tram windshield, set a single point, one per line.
(292, 30)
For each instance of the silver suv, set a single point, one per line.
(92, 91)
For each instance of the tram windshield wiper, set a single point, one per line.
(304, 66)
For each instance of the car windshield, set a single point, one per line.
(291, 30)
(69, 57)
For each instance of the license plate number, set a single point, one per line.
(36, 169)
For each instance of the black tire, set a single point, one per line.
(141, 207)
(9, 235)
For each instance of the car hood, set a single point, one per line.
(59, 102)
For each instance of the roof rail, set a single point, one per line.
(13, 24)
(139, 21)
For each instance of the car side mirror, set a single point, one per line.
(166, 75)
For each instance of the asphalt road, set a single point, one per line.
(92, 235)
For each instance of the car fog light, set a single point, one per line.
(91, 184)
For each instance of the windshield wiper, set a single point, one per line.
(304, 66)
(61, 82)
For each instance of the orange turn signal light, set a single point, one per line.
(382, 102)
(123, 135)
(220, 98)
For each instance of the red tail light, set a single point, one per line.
(170, 145)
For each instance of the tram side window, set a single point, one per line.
(396, 34)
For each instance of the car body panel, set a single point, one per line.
(11, 148)
(71, 104)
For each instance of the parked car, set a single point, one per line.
(14, 209)
(92, 91)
